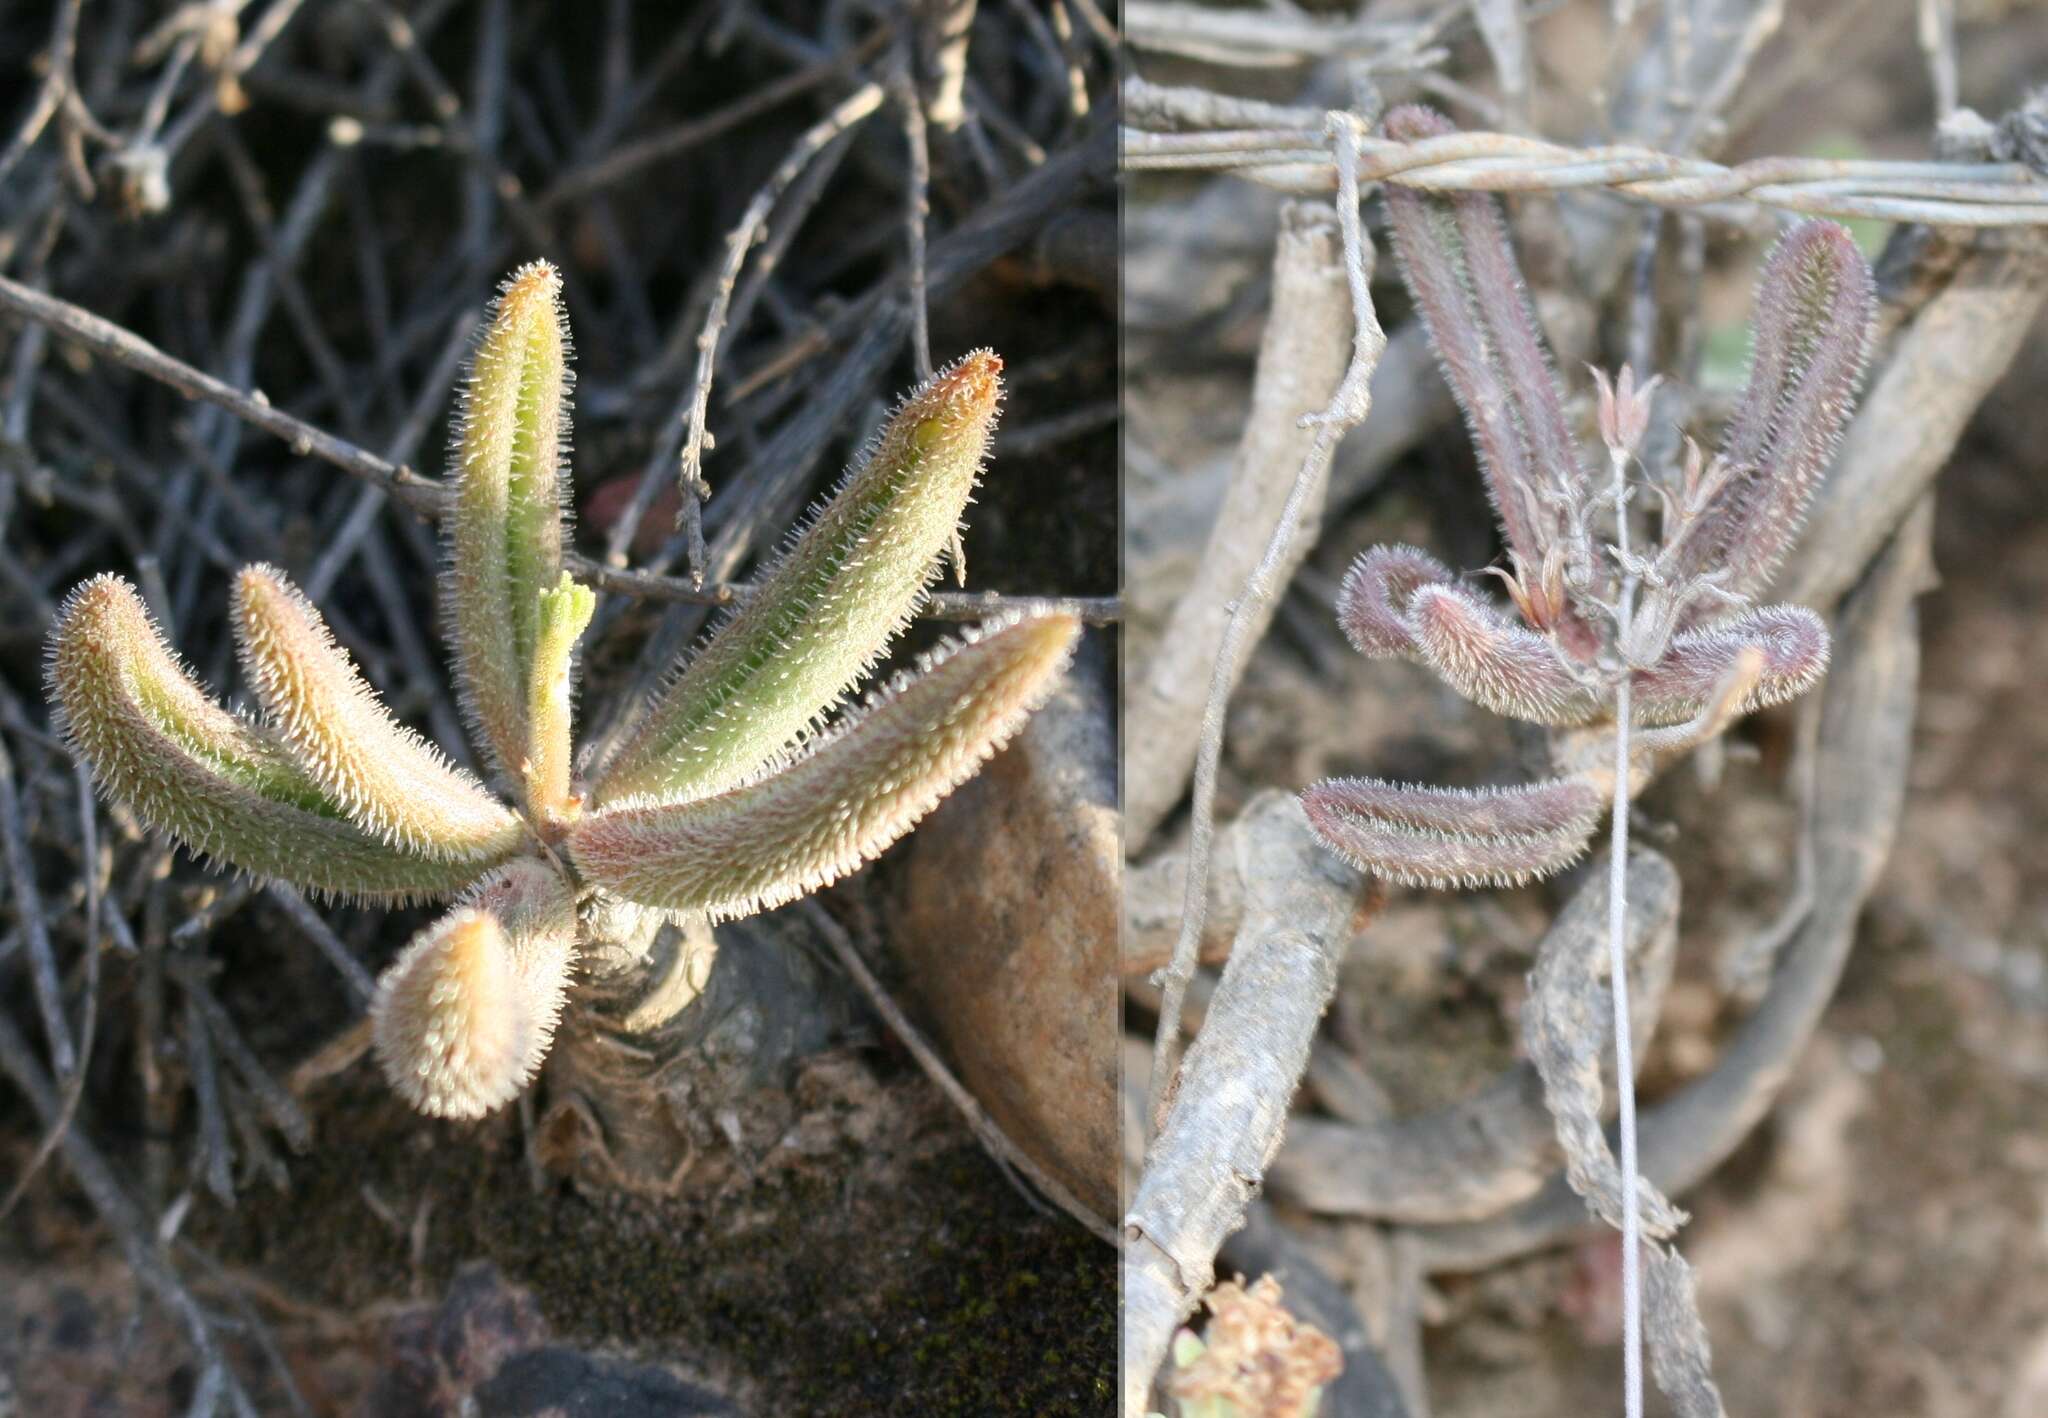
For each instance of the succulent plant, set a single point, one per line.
(1597, 633)
(1633, 656)
(728, 796)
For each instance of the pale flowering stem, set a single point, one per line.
(1617, 965)
(1348, 408)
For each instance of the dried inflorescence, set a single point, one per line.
(723, 801)
(1591, 623)
(1253, 1360)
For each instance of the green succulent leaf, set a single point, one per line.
(388, 779)
(843, 589)
(505, 538)
(217, 783)
(465, 1015)
(856, 792)
(565, 611)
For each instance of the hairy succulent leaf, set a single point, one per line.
(188, 767)
(1400, 602)
(505, 537)
(1557, 805)
(388, 780)
(842, 803)
(1814, 306)
(1372, 604)
(834, 599)
(1794, 643)
(465, 1015)
(1496, 663)
(1462, 273)
(565, 611)
(1446, 837)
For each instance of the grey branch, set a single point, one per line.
(1300, 159)
(424, 495)
(1230, 1105)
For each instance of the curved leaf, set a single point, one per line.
(855, 793)
(188, 767)
(1451, 837)
(388, 779)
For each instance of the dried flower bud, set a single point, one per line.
(1624, 410)
(844, 588)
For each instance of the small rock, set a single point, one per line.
(1007, 919)
(483, 1351)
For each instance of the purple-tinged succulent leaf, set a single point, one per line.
(1555, 805)
(1372, 604)
(1448, 837)
(1814, 305)
(855, 792)
(1793, 642)
(1461, 270)
(1495, 663)
(222, 786)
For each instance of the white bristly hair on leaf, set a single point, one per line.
(734, 795)
(844, 587)
(388, 779)
(844, 800)
(222, 786)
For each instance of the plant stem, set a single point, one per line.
(1617, 964)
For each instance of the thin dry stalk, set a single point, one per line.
(1348, 407)
(985, 1128)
